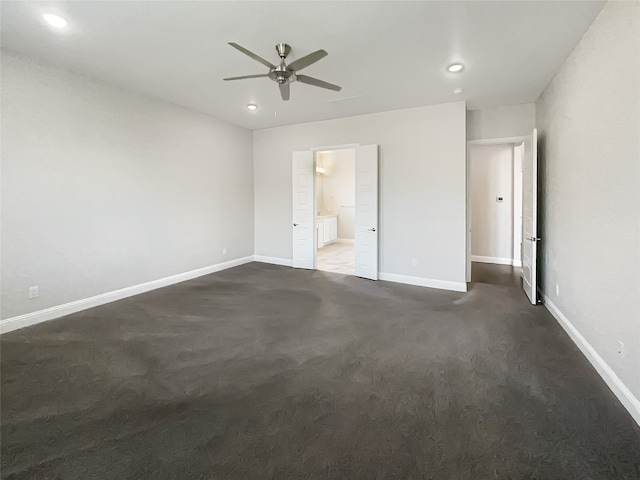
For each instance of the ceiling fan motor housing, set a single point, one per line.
(280, 74)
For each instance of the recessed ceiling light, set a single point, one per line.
(55, 20)
(252, 107)
(457, 91)
(455, 67)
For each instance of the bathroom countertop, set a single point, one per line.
(326, 216)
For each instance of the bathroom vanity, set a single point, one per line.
(326, 229)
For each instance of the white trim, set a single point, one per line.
(33, 318)
(619, 389)
(424, 282)
(346, 240)
(497, 260)
(517, 263)
(345, 146)
(490, 141)
(285, 262)
(389, 277)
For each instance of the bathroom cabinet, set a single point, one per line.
(327, 229)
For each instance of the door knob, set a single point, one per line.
(295, 224)
(372, 229)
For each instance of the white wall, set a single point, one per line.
(422, 185)
(589, 121)
(491, 172)
(103, 188)
(501, 122)
(339, 188)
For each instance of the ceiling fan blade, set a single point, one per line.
(247, 76)
(284, 91)
(317, 83)
(307, 60)
(252, 55)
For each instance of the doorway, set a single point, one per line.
(502, 206)
(495, 197)
(305, 212)
(335, 196)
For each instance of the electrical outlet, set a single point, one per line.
(620, 348)
(224, 251)
(34, 292)
(557, 290)
(414, 263)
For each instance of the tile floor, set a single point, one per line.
(337, 258)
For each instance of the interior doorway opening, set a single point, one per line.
(495, 192)
(335, 201)
(305, 211)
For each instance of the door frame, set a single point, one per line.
(315, 150)
(470, 143)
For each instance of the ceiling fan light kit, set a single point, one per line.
(283, 74)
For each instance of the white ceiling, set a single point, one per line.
(385, 55)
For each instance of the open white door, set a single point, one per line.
(530, 216)
(366, 222)
(303, 206)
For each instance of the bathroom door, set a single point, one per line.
(303, 210)
(366, 221)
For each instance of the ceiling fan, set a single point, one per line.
(284, 74)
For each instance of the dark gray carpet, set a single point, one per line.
(504, 275)
(265, 372)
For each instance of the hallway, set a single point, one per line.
(493, 274)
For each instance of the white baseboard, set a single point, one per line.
(33, 318)
(619, 389)
(389, 277)
(346, 240)
(28, 319)
(424, 282)
(496, 260)
(285, 262)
